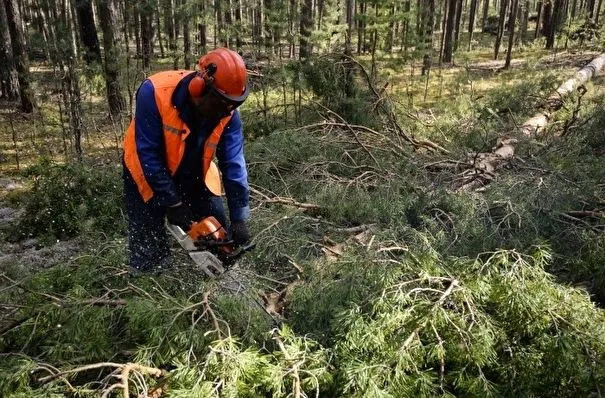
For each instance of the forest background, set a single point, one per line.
(428, 198)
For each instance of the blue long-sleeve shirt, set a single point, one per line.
(149, 137)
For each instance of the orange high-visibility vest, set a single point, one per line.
(175, 133)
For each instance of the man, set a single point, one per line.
(182, 120)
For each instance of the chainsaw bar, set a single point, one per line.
(211, 264)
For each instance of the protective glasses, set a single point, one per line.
(230, 103)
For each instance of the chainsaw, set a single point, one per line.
(209, 245)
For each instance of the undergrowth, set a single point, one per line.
(389, 283)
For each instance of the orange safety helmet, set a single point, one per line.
(224, 71)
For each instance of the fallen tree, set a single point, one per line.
(536, 124)
(481, 168)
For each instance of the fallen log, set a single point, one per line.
(536, 124)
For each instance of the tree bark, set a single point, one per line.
(168, 10)
(471, 22)
(349, 11)
(448, 45)
(186, 39)
(540, 9)
(428, 21)
(9, 78)
(485, 14)
(391, 32)
(202, 30)
(524, 21)
(291, 36)
(239, 25)
(555, 23)
(458, 27)
(547, 20)
(108, 20)
(146, 13)
(306, 25)
(405, 29)
(501, 20)
(218, 23)
(28, 103)
(511, 33)
(88, 31)
(349, 80)
(156, 14)
(71, 84)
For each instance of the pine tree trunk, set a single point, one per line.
(158, 25)
(269, 31)
(458, 27)
(186, 39)
(448, 41)
(218, 22)
(88, 31)
(108, 20)
(239, 25)
(349, 79)
(556, 19)
(427, 60)
(359, 7)
(9, 78)
(349, 10)
(428, 21)
(20, 57)
(540, 9)
(75, 32)
(202, 30)
(41, 28)
(589, 8)
(501, 20)
(318, 12)
(596, 19)
(471, 23)
(574, 6)
(306, 25)
(511, 33)
(291, 34)
(145, 13)
(71, 85)
(167, 7)
(405, 29)
(136, 25)
(548, 26)
(391, 32)
(524, 21)
(485, 14)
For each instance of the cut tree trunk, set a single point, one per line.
(536, 124)
(479, 169)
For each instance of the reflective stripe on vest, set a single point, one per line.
(175, 131)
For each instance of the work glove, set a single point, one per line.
(240, 233)
(181, 216)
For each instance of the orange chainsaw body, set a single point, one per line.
(210, 229)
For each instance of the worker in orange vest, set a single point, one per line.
(183, 119)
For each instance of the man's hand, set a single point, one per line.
(240, 233)
(180, 215)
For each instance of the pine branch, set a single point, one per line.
(454, 283)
